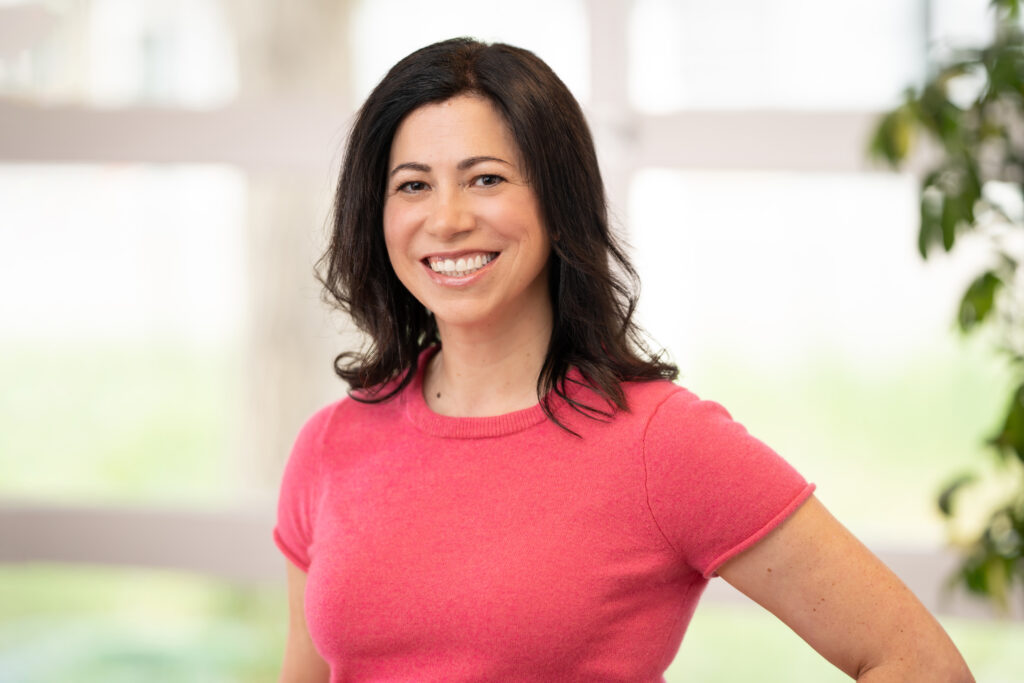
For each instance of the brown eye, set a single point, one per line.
(412, 186)
(489, 180)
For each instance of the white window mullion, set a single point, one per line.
(609, 112)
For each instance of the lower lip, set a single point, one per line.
(452, 281)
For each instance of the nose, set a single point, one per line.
(451, 214)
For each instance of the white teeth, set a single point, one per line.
(461, 267)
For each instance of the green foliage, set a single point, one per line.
(1010, 438)
(994, 558)
(978, 144)
(978, 300)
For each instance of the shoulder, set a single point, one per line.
(682, 428)
(712, 487)
(348, 416)
(668, 406)
(656, 399)
(349, 428)
(672, 417)
(644, 401)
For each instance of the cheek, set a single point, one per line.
(398, 231)
(394, 236)
(513, 221)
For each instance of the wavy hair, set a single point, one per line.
(592, 283)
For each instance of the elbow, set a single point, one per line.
(947, 667)
(950, 667)
(962, 674)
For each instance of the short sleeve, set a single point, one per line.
(296, 504)
(714, 490)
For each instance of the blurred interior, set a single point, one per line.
(166, 173)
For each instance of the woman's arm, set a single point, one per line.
(825, 585)
(302, 663)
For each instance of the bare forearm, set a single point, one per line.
(901, 671)
(925, 654)
(817, 577)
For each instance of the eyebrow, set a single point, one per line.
(462, 165)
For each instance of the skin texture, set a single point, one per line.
(835, 594)
(302, 663)
(455, 185)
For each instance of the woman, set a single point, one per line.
(515, 490)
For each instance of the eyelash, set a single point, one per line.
(496, 180)
(495, 176)
(405, 187)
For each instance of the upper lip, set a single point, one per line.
(454, 255)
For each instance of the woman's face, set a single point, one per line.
(463, 228)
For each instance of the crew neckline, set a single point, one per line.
(421, 415)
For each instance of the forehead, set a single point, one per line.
(453, 130)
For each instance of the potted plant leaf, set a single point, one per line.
(970, 116)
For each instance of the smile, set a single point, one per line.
(461, 266)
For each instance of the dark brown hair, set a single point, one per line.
(591, 281)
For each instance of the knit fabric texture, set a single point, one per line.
(505, 548)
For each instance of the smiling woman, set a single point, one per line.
(514, 489)
(463, 227)
(501, 126)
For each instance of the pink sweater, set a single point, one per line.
(505, 549)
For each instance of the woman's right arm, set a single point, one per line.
(302, 663)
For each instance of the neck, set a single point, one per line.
(487, 371)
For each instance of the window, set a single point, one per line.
(787, 54)
(384, 31)
(127, 306)
(114, 53)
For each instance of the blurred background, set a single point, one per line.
(166, 171)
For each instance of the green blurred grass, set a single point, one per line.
(89, 624)
(124, 423)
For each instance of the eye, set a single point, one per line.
(488, 180)
(412, 186)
